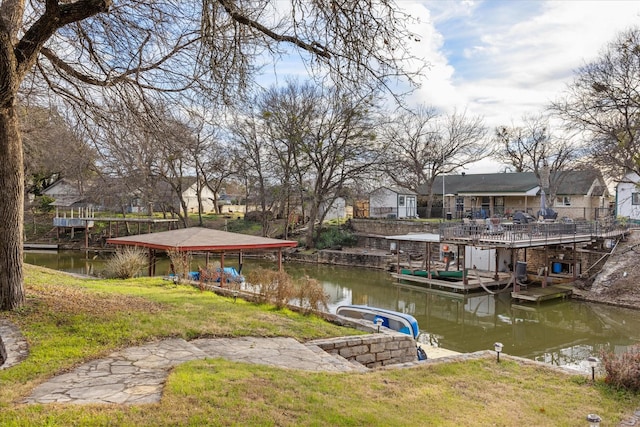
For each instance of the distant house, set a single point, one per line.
(335, 210)
(393, 202)
(578, 194)
(70, 204)
(628, 197)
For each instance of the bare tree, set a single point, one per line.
(150, 46)
(329, 138)
(250, 145)
(603, 103)
(424, 144)
(413, 139)
(532, 147)
(287, 115)
(53, 150)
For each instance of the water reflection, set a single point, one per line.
(562, 333)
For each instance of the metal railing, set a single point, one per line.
(506, 232)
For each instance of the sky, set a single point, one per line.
(505, 59)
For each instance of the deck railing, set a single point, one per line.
(504, 233)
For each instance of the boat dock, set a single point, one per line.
(540, 294)
(472, 282)
(40, 246)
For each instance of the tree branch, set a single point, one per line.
(56, 16)
(235, 14)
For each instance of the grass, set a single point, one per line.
(69, 320)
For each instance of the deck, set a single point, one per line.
(509, 235)
(475, 281)
(539, 294)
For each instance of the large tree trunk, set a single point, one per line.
(11, 210)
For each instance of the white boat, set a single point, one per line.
(401, 322)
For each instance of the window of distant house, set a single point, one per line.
(401, 201)
(563, 201)
(635, 198)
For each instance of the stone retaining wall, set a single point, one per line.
(359, 259)
(391, 227)
(372, 350)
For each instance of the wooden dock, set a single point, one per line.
(40, 246)
(539, 294)
(474, 281)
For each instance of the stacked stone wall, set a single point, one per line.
(373, 350)
(391, 227)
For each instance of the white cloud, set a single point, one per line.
(504, 59)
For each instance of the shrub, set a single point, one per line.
(623, 370)
(181, 263)
(126, 263)
(272, 286)
(44, 203)
(334, 237)
(312, 296)
(257, 216)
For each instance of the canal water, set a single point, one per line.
(561, 333)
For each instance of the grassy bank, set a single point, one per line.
(68, 321)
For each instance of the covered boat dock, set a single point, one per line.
(504, 241)
(198, 239)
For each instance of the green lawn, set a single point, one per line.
(68, 321)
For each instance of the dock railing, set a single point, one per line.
(537, 233)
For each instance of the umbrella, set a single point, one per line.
(543, 204)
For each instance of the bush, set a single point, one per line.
(126, 263)
(44, 203)
(623, 370)
(256, 216)
(312, 296)
(334, 237)
(180, 262)
(275, 287)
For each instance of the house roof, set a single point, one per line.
(522, 183)
(397, 190)
(201, 239)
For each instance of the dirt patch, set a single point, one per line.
(618, 283)
(65, 299)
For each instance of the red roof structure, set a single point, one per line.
(198, 239)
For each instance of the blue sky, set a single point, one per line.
(505, 59)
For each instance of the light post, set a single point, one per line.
(498, 348)
(592, 362)
(594, 420)
(444, 215)
(379, 322)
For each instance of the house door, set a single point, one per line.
(411, 207)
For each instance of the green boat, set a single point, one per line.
(435, 274)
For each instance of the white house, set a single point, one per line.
(628, 197)
(336, 210)
(390, 202)
(190, 196)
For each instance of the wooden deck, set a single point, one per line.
(473, 283)
(527, 235)
(539, 294)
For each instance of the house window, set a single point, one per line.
(401, 201)
(635, 198)
(459, 204)
(563, 201)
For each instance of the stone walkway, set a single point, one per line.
(137, 374)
